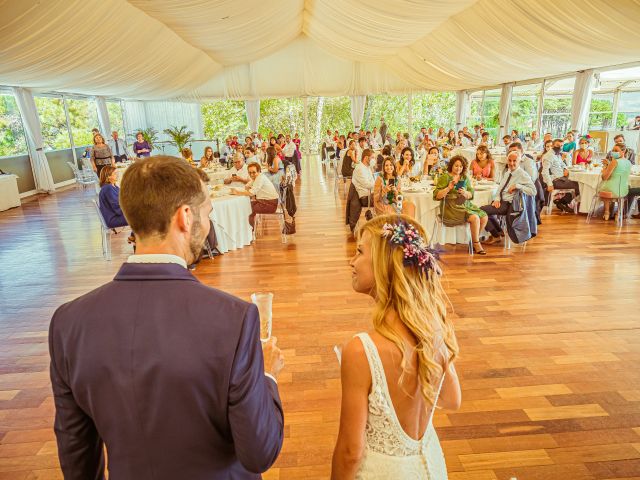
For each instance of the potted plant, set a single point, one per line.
(149, 134)
(180, 136)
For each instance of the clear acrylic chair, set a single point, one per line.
(82, 179)
(279, 213)
(106, 232)
(559, 191)
(438, 226)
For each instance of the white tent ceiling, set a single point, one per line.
(199, 49)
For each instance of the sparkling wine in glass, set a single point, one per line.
(264, 302)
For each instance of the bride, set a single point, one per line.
(393, 376)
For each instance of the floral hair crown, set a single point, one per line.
(415, 249)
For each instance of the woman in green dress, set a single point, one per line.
(615, 178)
(455, 191)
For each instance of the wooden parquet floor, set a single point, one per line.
(549, 338)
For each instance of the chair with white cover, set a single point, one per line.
(438, 226)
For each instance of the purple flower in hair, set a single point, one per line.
(415, 250)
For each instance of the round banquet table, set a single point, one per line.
(217, 176)
(589, 181)
(427, 208)
(230, 217)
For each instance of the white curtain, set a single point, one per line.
(103, 117)
(581, 102)
(505, 109)
(253, 114)
(462, 109)
(358, 103)
(33, 130)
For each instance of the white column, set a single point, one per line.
(540, 108)
(103, 117)
(358, 103)
(33, 130)
(581, 102)
(253, 114)
(306, 139)
(462, 109)
(505, 110)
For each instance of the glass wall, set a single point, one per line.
(83, 117)
(12, 138)
(55, 131)
(434, 109)
(475, 109)
(394, 109)
(222, 118)
(556, 110)
(628, 106)
(114, 108)
(524, 108)
(601, 112)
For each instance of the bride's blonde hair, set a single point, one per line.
(417, 297)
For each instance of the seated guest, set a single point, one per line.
(555, 173)
(629, 153)
(441, 134)
(569, 144)
(483, 166)
(386, 190)
(507, 140)
(328, 140)
(207, 159)
(362, 145)
(187, 154)
(141, 147)
(485, 139)
(527, 163)
(377, 138)
(289, 151)
(547, 137)
(615, 176)
(250, 156)
(248, 141)
(451, 138)
(275, 167)
(272, 141)
(388, 140)
(534, 144)
(361, 186)
(515, 134)
(515, 179)
(238, 174)
(108, 198)
(227, 152)
(406, 163)
(433, 162)
(397, 151)
(264, 194)
(446, 153)
(261, 153)
(548, 145)
(350, 160)
(583, 155)
(454, 189)
(465, 139)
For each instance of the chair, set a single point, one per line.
(507, 238)
(81, 177)
(634, 203)
(600, 195)
(338, 174)
(559, 191)
(437, 231)
(279, 213)
(106, 232)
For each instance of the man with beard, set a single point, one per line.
(166, 372)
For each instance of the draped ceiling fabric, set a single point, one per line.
(581, 100)
(103, 117)
(462, 109)
(196, 50)
(357, 109)
(505, 109)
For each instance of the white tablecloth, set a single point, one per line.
(216, 177)
(427, 208)
(9, 195)
(588, 181)
(467, 152)
(230, 217)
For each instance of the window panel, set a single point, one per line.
(83, 117)
(524, 108)
(55, 132)
(115, 118)
(12, 137)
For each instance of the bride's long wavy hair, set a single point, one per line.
(419, 300)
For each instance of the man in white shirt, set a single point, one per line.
(257, 139)
(262, 153)
(476, 132)
(534, 144)
(360, 147)
(420, 136)
(362, 183)
(227, 151)
(250, 156)
(289, 150)
(555, 175)
(514, 179)
(527, 163)
(263, 193)
(629, 153)
(238, 174)
(377, 138)
(118, 148)
(634, 123)
(328, 139)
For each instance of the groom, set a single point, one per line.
(166, 372)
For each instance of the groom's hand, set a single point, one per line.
(273, 357)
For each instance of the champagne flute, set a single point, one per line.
(264, 302)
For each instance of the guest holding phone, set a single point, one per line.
(455, 191)
(386, 191)
(238, 174)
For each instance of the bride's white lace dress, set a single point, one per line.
(390, 453)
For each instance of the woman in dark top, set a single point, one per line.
(108, 198)
(350, 160)
(141, 147)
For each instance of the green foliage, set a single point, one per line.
(224, 117)
(150, 135)
(434, 109)
(55, 133)
(281, 115)
(83, 116)
(393, 108)
(12, 138)
(115, 117)
(180, 136)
